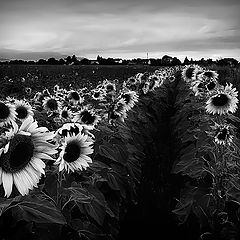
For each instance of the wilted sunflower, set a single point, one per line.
(130, 98)
(86, 116)
(7, 114)
(23, 110)
(118, 111)
(224, 101)
(198, 88)
(145, 87)
(155, 81)
(74, 152)
(222, 133)
(21, 157)
(51, 104)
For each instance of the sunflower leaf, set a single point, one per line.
(35, 209)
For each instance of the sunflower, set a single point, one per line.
(51, 104)
(23, 110)
(7, 114)
(223, 102)
(155, 81)
(118, 111)
(171, 78)
(56, 88)
(98, 94)
(145, 87)
(65, 114)
(198, 88)
(21, 157)
(86, 116)
(189, 71)
(130, 98)
(28, 91)
(74, 152)
(74, 97)
(222, 133)
(209, 75)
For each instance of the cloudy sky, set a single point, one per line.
(120, 28)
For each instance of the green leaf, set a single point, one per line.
(35, 209)
(5, 203)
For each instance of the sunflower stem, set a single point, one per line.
(58, 200)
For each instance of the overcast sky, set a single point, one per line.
(121, 28)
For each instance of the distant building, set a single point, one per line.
(94, 62)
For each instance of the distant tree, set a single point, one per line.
(85, 61)
(52, 61)
(186, 61)
(41, 62)
(61, 61)
(176, 62)
(227, 62)
(68, 60)
(75, 61)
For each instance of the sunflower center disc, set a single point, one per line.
(189, 72)
(96, 94)
(211, 86)
(52, 104)
(75, 96)
(72, 152)
(22, 112)
(4, 111)
(19, 154)
(126, 98)
(87, 117)
(220, 100)
(109, 88)
(65, 114)
(208, 74)
(222, 135)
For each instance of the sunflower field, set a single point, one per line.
(119, 158)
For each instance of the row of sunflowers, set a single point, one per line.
(73, 157)
(208, 153)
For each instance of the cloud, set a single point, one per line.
(111, 27)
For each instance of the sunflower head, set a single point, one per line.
(222, 133)
(23, 110)
(7, 113)
(223, 101)
(21, 156)
(51, 104)
(75, 151)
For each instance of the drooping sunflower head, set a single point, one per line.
(22, 154)
(145, 87)
(23, 110)
(7, 113)
(118, 111)
(130, 98)
(223, 102)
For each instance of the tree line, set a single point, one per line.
(164, 61)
